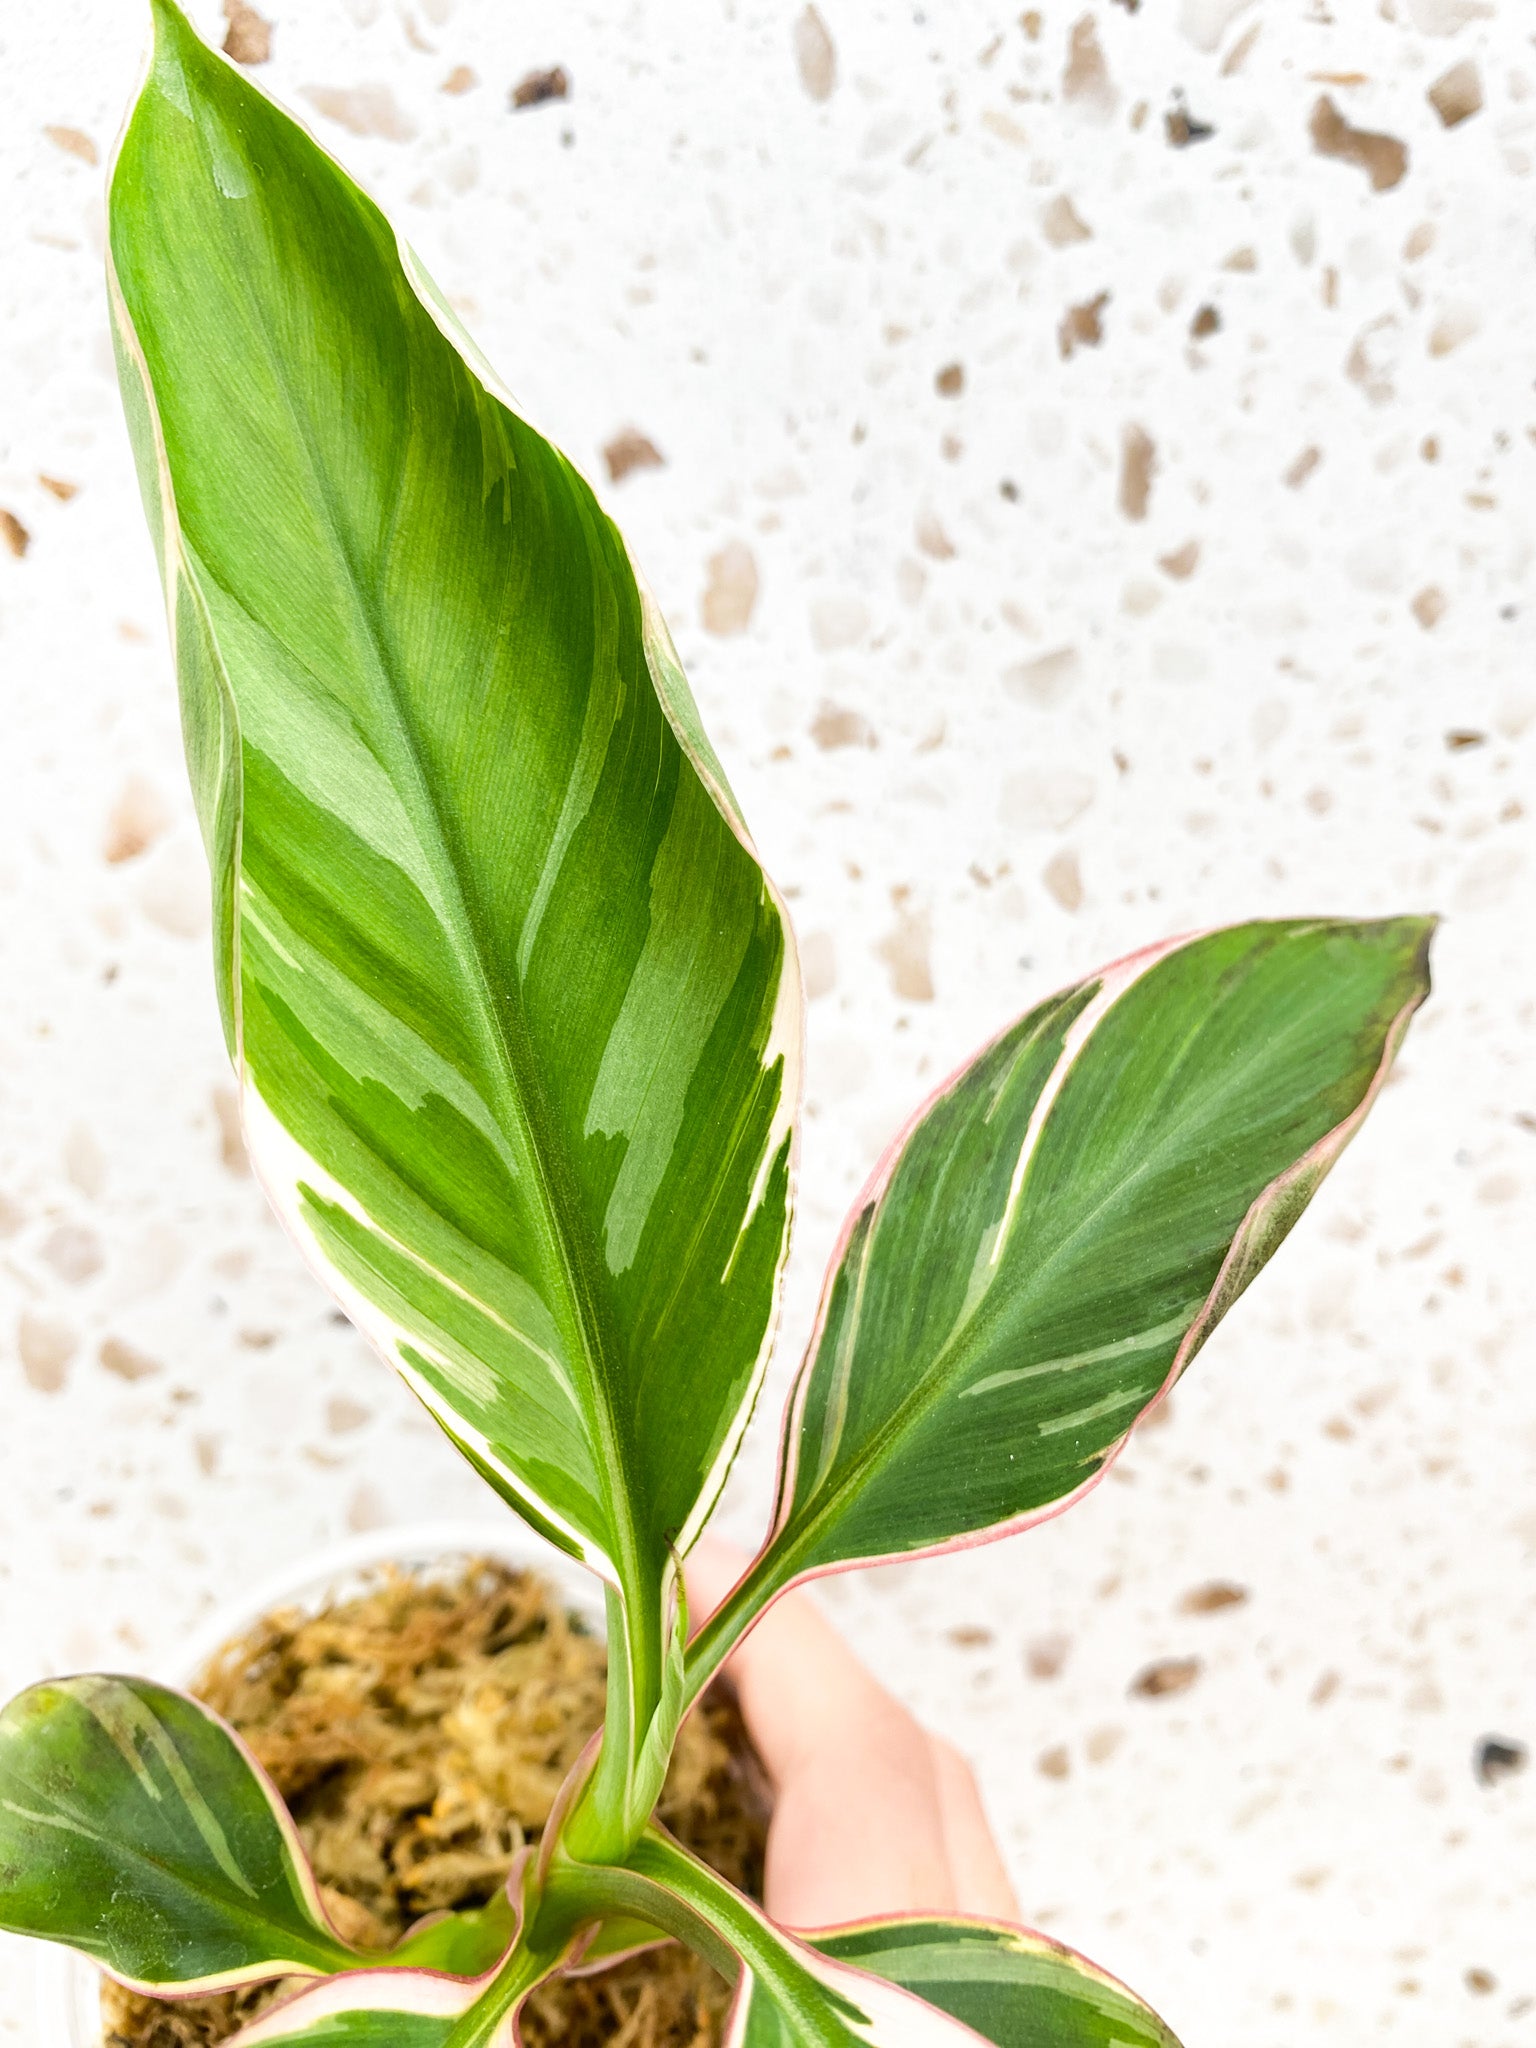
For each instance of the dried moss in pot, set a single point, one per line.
(419, 1733)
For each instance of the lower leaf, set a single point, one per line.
(1015, 1988)
(137, 1828)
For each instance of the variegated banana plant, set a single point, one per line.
(516, 1020)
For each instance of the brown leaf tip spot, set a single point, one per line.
(539, 86)
(249, 40)
(1172, 1674)
(1213, 1598)
(14, 534)
(631, 450)
(1382, 157)
(1082, 326)
(1457, 94)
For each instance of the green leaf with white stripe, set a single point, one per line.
(515, 1012)
(1057, 1233)
(136, 1827)
(1014, 1988)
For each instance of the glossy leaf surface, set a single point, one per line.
(515, 1012)
(1015, 1989)
(1051, 1241)
(135, 1827)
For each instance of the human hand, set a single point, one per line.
(872, 1815)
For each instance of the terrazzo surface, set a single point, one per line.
(1095, 500)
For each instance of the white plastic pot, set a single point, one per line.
(69, 1987)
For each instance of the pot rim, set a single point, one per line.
(66, 1991)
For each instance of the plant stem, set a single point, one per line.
(762, 1583)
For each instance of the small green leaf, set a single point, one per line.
(461, 1944)
(136, 1827)
(514, 1009)
(1014, 1988)
(1053, 1239)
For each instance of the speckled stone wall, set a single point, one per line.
(1087, 456)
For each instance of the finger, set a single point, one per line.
(980, 1879)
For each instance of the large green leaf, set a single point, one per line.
(134, 1826)
(1016, 1989)
(515, 1012)
(1056, 1235)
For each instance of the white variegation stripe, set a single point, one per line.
(281, 1166)
(884, 2015)
(1101, 1354)
(1113, 983)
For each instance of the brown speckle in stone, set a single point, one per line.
(834, 727)
(1302, 467)
(14, 534)
(1324, 1689)
(730, 591)
(135, 822)
(1181, 127)
(932, 539)
(950, 381)
(1054, 1762)
(1046, 681)
(1032, 21)
(461, 79)
(1372, 359)
(631, 450)
(970, 1636)
(83, 1161)
(1420, 241)
(904, 949)
(1182, 563)
(56, 487)
(226, 1110)
(249, 40)
(74, 1252)
(1138, 462)
(1207, 321)
(362, 110)
(818, 965)
(1046, 1656)
(46, 1346)
(1481, 1983)
(343, 1414)
(1085, 82)
(1062, 224)
(74, 142)
(1460, 738)
(1382, 157)
(1457, 94)
(815, 55)
(1213, 1598)
(1082, 326)
(537, 87)
(1063, 880)
(1428, 607)
(1496, 1757)
(1452, 329)
(1102, 1744)
(125, 1362)
(1172, 1674)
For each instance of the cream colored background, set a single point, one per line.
(768, 285)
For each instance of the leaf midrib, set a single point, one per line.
(513, 1076)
